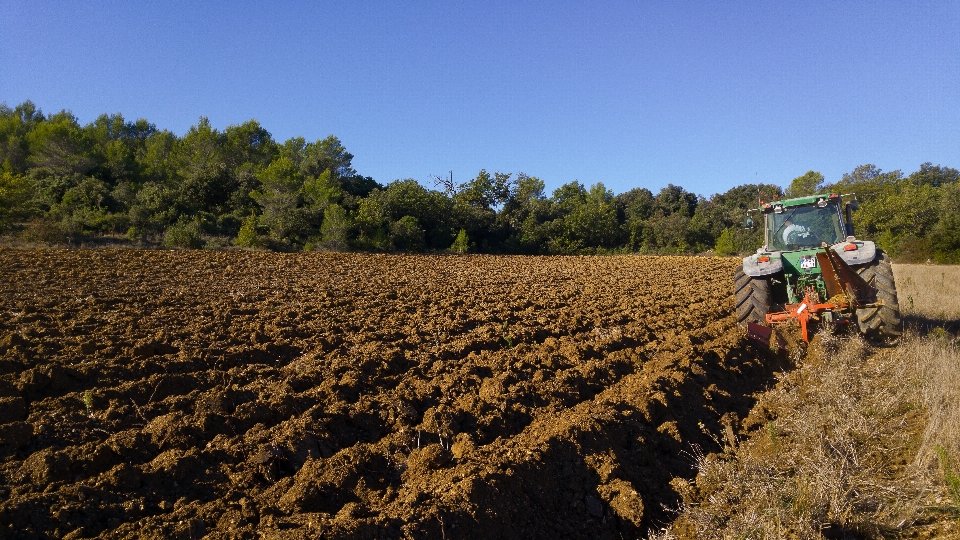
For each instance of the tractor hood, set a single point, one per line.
(764, 262)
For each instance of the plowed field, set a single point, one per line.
(182, 394)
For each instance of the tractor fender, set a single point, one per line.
(866, 252)
(753, 267)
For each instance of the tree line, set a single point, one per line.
(113, 179)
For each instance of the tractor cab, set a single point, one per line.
(804, 223)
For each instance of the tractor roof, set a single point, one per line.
(800, 201)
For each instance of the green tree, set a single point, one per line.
(249, 235)
(944, 237)
(15, 195)
(406, 234)
(726, 244)
(248, 143)
(675, 200)
(810, 183)
(909, 216)
(321, 191)
(116, 145)
(280, 199)
(592, 224)
(726, 211)
(152, 210)
(524, 216)
(60, 147)
(335, 231)
(903, 215)
(248, 148)
(461, 244)
(866, 175)
(432, 210)
(526, 197)
(327, 154)
(155, 160)
(359, 186)
(474, 209)
(373, 222)
(184, 235)
(669, 233)
(873, 187)
(485, 191)
(709, 221)
(635, 209)
(84, 209)
(668, 229)
(15, 127)
(934, 175)
(568, 197)
(205, 180)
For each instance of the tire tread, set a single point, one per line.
(883, 321)
(752, 297)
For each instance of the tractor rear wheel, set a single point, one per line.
(753, 297)
(881, 321)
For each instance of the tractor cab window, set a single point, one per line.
(803, 227)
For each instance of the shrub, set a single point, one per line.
(725, 243)
(15, 193)
(335, 230)
(461, 244)
(406, 234)
(249, 236)
(184, 235)
(136, 235)
(44, 230)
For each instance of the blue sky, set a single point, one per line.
(705, 95)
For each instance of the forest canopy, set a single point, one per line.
(128, 181)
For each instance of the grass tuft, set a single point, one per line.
(88, 402)
(950, 476)
(506, 335)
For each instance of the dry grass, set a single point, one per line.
(929, 295)
(930, 298)
(858, 441)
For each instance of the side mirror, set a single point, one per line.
(748, 222)
(854, 204)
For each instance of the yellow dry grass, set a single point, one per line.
(930, 300)
(859, 441)
(928, 291)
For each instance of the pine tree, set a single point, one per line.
(725, 243)
(462, 244)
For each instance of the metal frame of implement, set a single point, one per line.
(846, 292)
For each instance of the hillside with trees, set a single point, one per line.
(129, 182)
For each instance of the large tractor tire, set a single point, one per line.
(753, 297)
(882, 321)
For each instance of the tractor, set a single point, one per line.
(813, 272)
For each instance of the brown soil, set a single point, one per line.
(182, 394)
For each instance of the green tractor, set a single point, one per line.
(812, 270)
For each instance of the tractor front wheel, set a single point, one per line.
(753, 296)
(881, 321)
